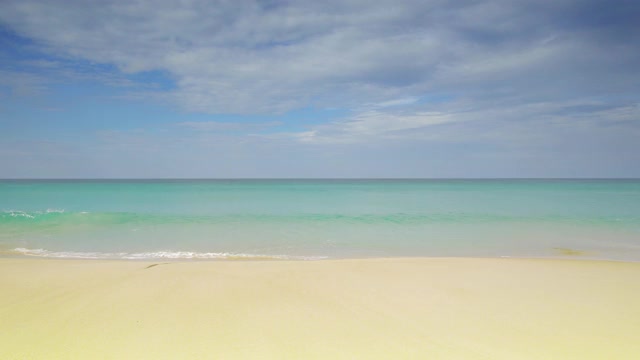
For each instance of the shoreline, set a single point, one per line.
(411, 307)
(303, 259)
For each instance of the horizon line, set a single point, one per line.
(322, 178)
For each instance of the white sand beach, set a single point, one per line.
(402, 308)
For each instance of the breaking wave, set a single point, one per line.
(167, 255)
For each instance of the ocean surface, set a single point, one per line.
(318, 219)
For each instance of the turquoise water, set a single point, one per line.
(315, 219)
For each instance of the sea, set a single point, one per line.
(320, 219)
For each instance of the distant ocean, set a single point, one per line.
(318, 219)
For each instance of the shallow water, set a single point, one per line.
(315, 219)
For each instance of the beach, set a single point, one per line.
(402, 308)
(335, 180)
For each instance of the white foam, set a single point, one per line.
(172, 255)
(32, 214)
(18, 213)
(54, 211)
(67, 254)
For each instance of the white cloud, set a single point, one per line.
(367, 126)
(457, 80)
(397, 102)
(264, 57)
(21, 84)
(218, 126)
(472, 122)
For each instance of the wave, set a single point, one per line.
(54, 217)
(29, 215)
(166, 255)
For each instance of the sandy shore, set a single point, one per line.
(346, 309)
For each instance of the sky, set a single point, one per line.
(319, 89)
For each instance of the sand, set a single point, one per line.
(406, 308)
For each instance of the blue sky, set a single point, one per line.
(319, 89)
